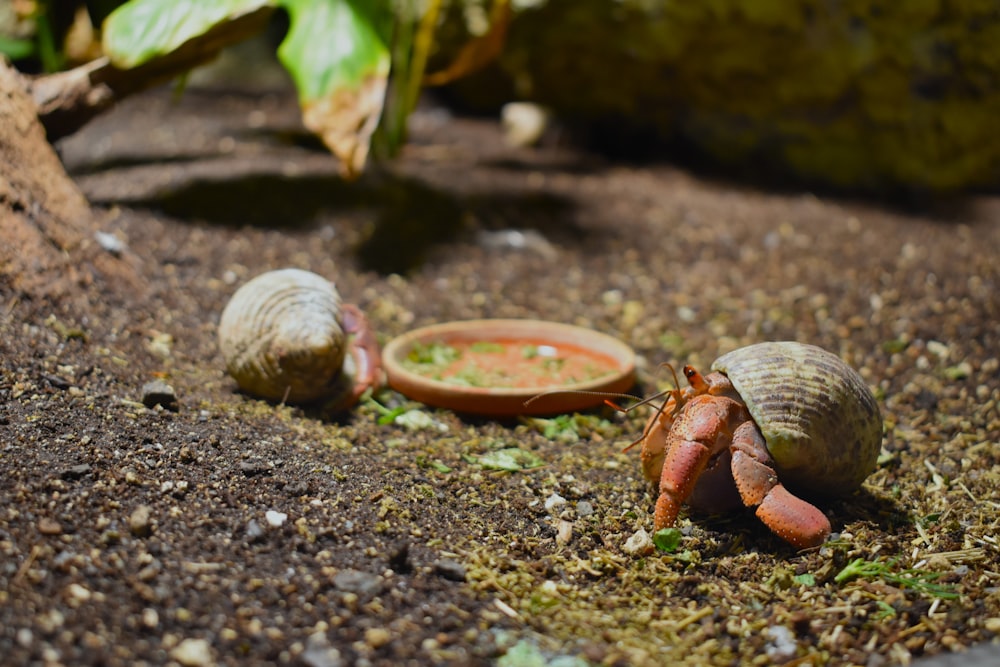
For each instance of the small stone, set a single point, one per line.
(781, 644)
(319, 652)
(47, 526)
(75, 472)
(193, 653)
(275, 519)
(639, 544)
(584, 508)
(992, 624)
(254, 468)
(449, 569)
(159, 393)
(78, 593)
(523, 123)
(554, 502)
(160, 344)
(150, 618)
(110, 243)
(360, 583)
(938, 349)
(564, 532)
(140, 521)
(377, 637)
(254, 530)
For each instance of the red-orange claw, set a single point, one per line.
(363, 349)
(792, 519)
(667, 509)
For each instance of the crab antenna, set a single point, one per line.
(649, 399)
(640, 402)
(659, 411)
(677, 385)
(674, 393)
(606, 394)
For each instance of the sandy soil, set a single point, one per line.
(133, 535)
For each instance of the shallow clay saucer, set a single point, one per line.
(492, 367)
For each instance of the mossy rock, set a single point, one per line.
(857, 95)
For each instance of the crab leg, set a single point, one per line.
(363, 350)
(654, 440)
(702, 430)
(789, 517)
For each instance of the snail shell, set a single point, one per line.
(818, 416)
(282, 338)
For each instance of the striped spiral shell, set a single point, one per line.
(818, 416)
(282, 337)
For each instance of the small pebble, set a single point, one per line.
(275, 519)
(192, 653)
(319, 652)
(159, 393)
(781, 644)
(110, 243)
(254, 468)
(564, 532)
(449, 569)
(140, 521)
(584, 508)
(150, 618)
(75, 472)
(358, 582)
(639, 544)
(377, 637)
(992, 624)
(78, 593)
(47, 526)
(254, 531)
(523, 123)
(554, 502)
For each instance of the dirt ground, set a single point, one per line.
(235, 531)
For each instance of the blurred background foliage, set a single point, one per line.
(848, 94)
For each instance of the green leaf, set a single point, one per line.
(141, 30)
(959, 372)
(918, 580)
(511, 459)
(526, 654)
(667, 539)
(332, 45)
(418, 420)
(339, 60)
(894, 346)
(885, 610)
(437, 464)
(806, 579)
(562, 428)
(389, 416)
(16, 49)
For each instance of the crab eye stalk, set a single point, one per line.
(695, 379)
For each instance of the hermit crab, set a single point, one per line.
(286, 336)
(770, 415)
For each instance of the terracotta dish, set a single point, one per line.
(495, 367)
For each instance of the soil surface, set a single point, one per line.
(217, 528)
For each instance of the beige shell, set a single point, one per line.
(818, 416)
(282, 339)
